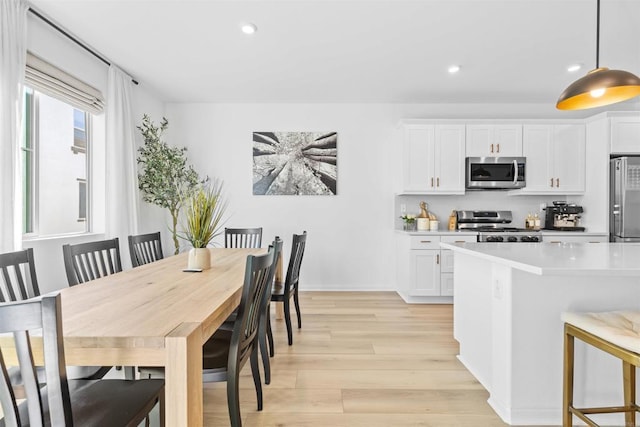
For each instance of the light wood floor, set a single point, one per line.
(362, 359)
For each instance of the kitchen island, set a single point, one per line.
(508, 298)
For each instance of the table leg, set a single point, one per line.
(183, 376)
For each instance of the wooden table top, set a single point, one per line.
(139, 307)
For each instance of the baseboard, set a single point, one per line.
(346, 288)
(529, 416)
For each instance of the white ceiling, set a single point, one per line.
(321, 51)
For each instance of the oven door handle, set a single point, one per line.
(515, 170)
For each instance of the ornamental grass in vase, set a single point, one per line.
(205, 208)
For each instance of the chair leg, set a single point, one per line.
(255, 371)
(296, 302)
(262, 337)
(270, 336)
(233, 399)
(629, 376)
(287, 320)
(567, 389)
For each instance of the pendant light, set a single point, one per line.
(600, 86)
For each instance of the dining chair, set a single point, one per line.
(18, 276)
(265, 311)
(227, 351)
(283, 291)
(145, 248)
(89, 261)
(243, 237)
(84, 262)
(65, 402)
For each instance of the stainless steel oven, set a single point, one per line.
(495, 173)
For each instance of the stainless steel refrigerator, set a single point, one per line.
(624, 209)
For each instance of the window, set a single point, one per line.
(57, 141)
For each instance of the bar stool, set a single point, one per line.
(617, 333)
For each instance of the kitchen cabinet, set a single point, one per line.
(555, 159)
(425, 271)
(433, 159)
(625, 134)
(494, 140)
(574, 237)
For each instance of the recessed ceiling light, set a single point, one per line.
(249, 28)
(453, 69)
(573, 68)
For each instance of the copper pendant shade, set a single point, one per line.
(600, 86)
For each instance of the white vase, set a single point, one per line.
(199, 258)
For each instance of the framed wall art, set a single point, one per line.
(295, 163)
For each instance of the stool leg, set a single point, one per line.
(629, 375)
(567, 389)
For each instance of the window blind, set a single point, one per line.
(53, 81)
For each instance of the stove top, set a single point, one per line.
(493, 226)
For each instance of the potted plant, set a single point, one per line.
(205, 208)
(165, 179)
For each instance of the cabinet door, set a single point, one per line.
(569, 158)
(478, 141)
(418, 158)
(507, 140)
(446, 284)
(449, 158)
(425, 273)
(536, 147)
(625, 134)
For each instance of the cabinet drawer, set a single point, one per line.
(459, 239)
(425, 242)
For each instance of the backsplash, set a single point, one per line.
(442, 206)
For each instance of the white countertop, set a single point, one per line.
(575, 259)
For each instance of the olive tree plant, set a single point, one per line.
(164, 178)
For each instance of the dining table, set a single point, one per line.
(154, 315)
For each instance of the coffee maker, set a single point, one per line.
(563, 217)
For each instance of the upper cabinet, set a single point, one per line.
(433, 159)
(494, 140)
(625, 134)
(555, 159)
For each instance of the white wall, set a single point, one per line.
(57, 49)
(351, 237)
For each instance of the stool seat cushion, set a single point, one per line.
(621, 328)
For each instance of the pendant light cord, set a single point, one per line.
(598, 37)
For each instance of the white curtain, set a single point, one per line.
(13, 39)
(122, 180)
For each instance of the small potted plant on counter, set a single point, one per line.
(409, 222)
(204, 211)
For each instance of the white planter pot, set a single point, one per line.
(199, 258)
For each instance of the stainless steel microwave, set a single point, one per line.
(495, 173)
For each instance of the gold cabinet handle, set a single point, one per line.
(438, 182)
(459, 241)
(558, 182)
(437, 258)
(555, 241)
(492, 148)
(551, 182)
(425, 241)
(431, 181)
(498, 150)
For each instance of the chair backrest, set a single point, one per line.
(295, 260)
(145, 248)
(277, 249)
(19, 318)
(16, 284)
(243, 237)
(258, 276)
(89, 261)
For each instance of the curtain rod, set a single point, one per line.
(72, 38)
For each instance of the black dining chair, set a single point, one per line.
(145, 248)
(243, 237)
(84, 262)
(283, 291)
(89, 261)
(18, 276)
(227, 351)
(65, 402)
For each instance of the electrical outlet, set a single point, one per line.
(403, 208)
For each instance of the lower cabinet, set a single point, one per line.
(425, 272)
(575, 237)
